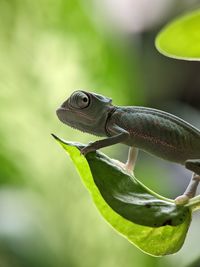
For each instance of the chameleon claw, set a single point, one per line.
(83, 152)
(123, 166)
(86, 150)
(129, 170)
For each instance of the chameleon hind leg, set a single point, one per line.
(193, 165)
(130, 164)
(190, 190)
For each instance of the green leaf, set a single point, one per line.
(151, 222)
(181, 38)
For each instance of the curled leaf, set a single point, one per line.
(151, 222)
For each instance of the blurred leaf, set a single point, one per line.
(181, 38)
(152, 223)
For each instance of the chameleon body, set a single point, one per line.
(156, 132)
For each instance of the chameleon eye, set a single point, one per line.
(79, 100)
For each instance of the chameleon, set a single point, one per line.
(141, 128)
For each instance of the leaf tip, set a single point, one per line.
(54, 136)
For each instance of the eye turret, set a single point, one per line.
(79, 100)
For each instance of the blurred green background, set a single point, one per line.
(47, 50)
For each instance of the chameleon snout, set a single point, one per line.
(61, 113)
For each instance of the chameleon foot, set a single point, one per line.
(123, 166)
(87, 149)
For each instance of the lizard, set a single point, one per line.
(141, 128)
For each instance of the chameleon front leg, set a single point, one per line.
(121, 136)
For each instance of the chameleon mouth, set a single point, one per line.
(62, 109)
(62, 112)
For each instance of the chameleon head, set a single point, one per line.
(85, 111)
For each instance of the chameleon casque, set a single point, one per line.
(156, 132)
